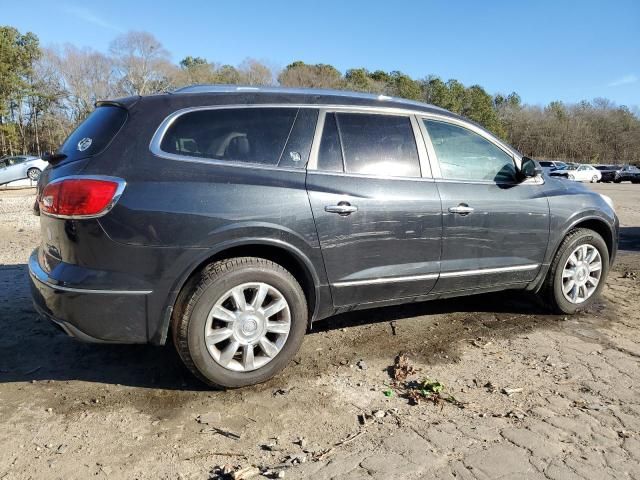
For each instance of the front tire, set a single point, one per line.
(578, 272)
(239, 322)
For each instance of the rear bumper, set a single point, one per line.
(104, 316)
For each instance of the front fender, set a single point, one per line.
(560, 228)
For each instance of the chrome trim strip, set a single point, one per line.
(411, 278)
(119, 190)
(86, 290)
(156, 140)
(432, 276)
(487, 271)
(370, 175)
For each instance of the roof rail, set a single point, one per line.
(298, 91)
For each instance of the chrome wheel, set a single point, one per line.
(581, 273)
(33, 174)
(594, 179)
(247, 327)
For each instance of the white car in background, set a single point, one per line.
(18, 167)
(579, 173)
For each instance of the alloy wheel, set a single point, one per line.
(247, 327)
(581, 273)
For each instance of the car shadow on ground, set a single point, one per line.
(629, 239)
(33, 349)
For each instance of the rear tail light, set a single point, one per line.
(80, 197)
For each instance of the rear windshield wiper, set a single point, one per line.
(52, 157)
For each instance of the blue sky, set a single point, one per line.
(544, 50)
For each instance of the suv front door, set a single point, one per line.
(376, 207)
(495, 228)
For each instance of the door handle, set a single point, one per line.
(342, 208)
(462, 209)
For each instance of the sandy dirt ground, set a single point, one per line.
(524, 394)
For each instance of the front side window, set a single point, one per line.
(248, 135)
(465, 155)
(378, 144)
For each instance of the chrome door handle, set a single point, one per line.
(462, 209)
(342, 208)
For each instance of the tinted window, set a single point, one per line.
(296, 152)
(94, 134)
(465, 155)
(378, 144)
(330, 153)
(251, 135)
(546, 164)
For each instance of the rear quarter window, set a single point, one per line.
(246, 135)
(96, 133)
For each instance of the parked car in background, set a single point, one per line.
(233, 218)
(628, 173)
(608, 172)
(550, 165)
(19, 167)
(579, 173)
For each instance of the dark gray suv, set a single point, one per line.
(232, 218)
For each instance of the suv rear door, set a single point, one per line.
(376, 207)
(495, 228)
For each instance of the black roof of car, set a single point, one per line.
(241, 94)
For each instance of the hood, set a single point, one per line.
(567, 186)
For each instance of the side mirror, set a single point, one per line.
(529, 168)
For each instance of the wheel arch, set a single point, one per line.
(290, 257)
(598, 225)
(593, 222)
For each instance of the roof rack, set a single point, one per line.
(298, 91)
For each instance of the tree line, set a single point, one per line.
(46, 92)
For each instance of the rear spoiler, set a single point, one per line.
(126, 102)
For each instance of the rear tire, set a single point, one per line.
(594, 179)
(197, 323)
(560, 297)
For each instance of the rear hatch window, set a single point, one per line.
(94, 134)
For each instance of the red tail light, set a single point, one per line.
(80, 197)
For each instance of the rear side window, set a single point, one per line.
(378, 144)
(249, 135)
(96, 133)
(546, 164)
